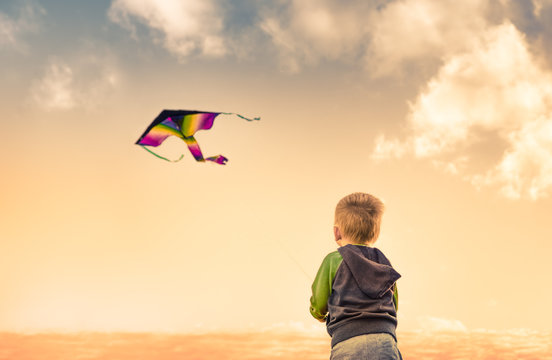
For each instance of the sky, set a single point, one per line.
(441, 109)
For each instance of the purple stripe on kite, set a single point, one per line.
(196, 151)
(158, 134)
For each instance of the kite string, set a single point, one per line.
(161, 157)
(288, 253)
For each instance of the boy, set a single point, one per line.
(355, 291)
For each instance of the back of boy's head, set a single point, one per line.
(358, 217)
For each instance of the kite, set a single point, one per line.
(183, 124)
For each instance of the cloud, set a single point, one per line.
(55, 89)
(13, 28)
(534, 19)
(414, 30)
(382, 36)
(83, 82)
(185, 27)
(7, 30)
(435, 324)
(305, 31)
(287, 327)
(494, 97)
(386, 37)
(526, 168)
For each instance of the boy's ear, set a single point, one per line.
(337, 233)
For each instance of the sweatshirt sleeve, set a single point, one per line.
(322, 285)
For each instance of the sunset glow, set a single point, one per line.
(441, 109)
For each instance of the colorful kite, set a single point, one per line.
(183, 124)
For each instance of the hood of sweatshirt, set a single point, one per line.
(371, 270)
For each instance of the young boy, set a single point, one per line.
(355, 291)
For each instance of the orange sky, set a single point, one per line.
(97, 234)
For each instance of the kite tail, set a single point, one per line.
(161, 157)
(219, 159)
(243, 117)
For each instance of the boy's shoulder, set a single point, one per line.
(333, 256)
(332, 260)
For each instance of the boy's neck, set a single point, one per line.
(345, 241)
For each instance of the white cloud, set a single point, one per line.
(8, 30)
(185, 26)
(386, 148)
(412, 30)
(495, 94)
(55, 89)
(538, 5)
(11, 29)
(84, 82)
(385, 35)
(526, 168)
(306, 31)
(435, 324)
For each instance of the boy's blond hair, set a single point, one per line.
(358, 217)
